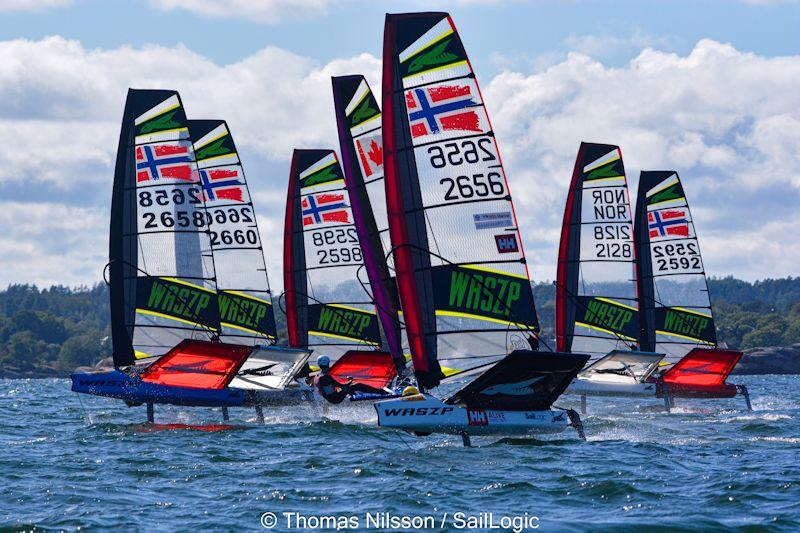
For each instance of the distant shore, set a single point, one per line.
(756, 361)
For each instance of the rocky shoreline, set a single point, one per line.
(756, 361)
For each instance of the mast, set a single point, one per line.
(327, 309)
(674, 301)
(243, 293)
(461, 272)
(358, 121)
(596, 285)
(161, 270)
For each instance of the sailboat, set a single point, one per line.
(596, 292)
(173, 343)
(330, 307)
(675, 308)
(602, 290)
(461, 274)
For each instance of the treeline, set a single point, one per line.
(52, 331)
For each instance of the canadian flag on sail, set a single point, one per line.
(370, 154)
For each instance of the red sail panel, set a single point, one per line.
(290, 291)
(372, 368)
(198, 365)
(703, 368)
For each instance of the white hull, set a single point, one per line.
(425, 414)
(589, 387)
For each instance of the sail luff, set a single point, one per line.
(294, 263)
(566, 279)
(426, 367)
(381, 283)
(120, 336)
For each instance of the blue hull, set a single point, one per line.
(117, 384)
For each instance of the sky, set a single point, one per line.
(708, 88)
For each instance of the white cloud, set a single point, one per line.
(728, 121)
(48, 242)
(60, 107)
(269, 11)
(31, 5)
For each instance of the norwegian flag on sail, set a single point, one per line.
(449, 107)
(163, 161)
(325, 207)
(370, 154)
(222, 184)
(668, 222)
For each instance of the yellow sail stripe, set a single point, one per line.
(693, 339)
(673, 201)
(225, 156)
(602, 180)
(446, 370)
(663, 185)
(435, 69)
(248, 330)
(601, 163)
(170, 317)
(693, 312)
(441, 312)
(616, 334)
(495, 271)
(184, 129)
(356, 309)
(435, 40)
(141, 355)
(614, 302)
(361, 125)
(211, 140)
(245, 295)
(334, 336)
(325, 184)
(193, 285)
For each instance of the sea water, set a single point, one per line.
(68, 462)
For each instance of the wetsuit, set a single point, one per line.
(335, 392)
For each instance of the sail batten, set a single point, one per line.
(449, 206)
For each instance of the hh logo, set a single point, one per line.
(506, 244)
(477, 417)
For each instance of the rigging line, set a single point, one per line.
(577, 301)
(512, 313)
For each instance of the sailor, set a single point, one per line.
(332, 389)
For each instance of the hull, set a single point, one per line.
(117, 384)
(425, 414)
(588, 387)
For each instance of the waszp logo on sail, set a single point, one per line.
(343, 322)
(180, 301)
(241, 311)
(685, 323)
(483, 293)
